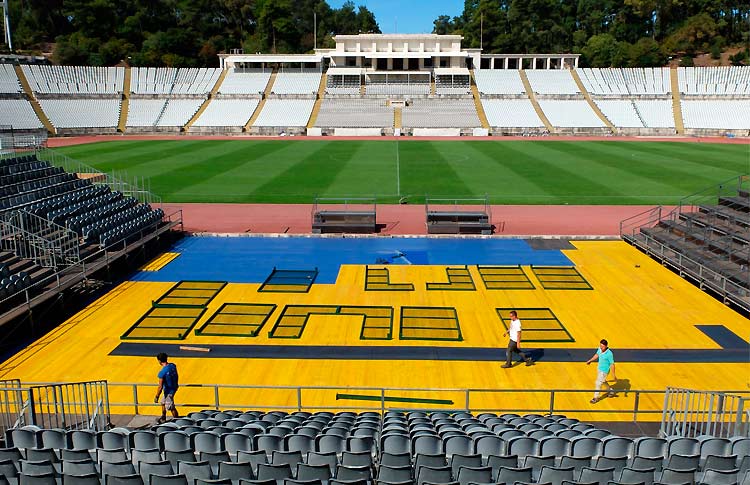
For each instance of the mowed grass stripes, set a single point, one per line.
(509, 172)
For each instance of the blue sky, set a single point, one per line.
(411, 16)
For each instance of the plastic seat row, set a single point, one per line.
(21, 167)
(49, 191)
(111, 219)
(5, 162)
(78, 208)
(80, 223)
(42, 208)
(16, 184)
(132, 227)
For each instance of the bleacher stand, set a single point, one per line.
(440, 113)
(398, 88)
(101, 113)
(223, 112)
(145, 111)
(552, 81)
(629, 113)
(74, 80)
(285, 112)
(499, 81)
(511, 113)
(302, 83)
(8, 80)
(245, 82)
(19, 114)
(343, 84)
(167, 80)
(397, 447)
(574, 113)
(626, 81)
(715, 81)
(717, 114)
(178, 111)
(452, 84)
(354, 113)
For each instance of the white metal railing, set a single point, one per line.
(70, 405)
(692, 413)
(639, 403)
(41, 240)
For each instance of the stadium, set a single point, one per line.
(329, 247)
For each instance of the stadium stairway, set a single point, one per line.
(207, 101)
(34, 102)
(259, 108)
(676, 105)
(433, 86)
(397, 118)
(125, 105)
(534, 102)
(478, 102)
(319, 101)
(591, 102)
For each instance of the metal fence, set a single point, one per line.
(11, 403)
(693, 413)
(72, 405)
(629, 405)
(137, 187)
(32, 237)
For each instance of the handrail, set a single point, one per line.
(382, 403)
(138, 188)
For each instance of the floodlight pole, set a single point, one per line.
(6, 24)
(315, 29)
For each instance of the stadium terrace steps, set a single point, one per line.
(676, 106)
(207, 101)
(397, 118)
(125, 105)
(591, 102)
(32, 99)
(534, 102)
(318, 101)
(266, 93)
(478, 103)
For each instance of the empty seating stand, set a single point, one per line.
(458, 222)
(353, 221)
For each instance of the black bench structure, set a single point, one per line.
(458, 216)
(344, 215)
(705, 239)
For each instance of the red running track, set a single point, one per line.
(510, 220)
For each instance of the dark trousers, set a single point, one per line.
(513, 348)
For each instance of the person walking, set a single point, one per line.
(606, 360)
(169, 383)
(514, 343)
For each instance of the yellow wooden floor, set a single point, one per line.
(635, 304)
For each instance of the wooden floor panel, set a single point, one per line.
(635, 303)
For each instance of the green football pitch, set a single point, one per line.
(508, 172)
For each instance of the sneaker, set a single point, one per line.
(529, 362)
(161, 420)
(611, 394)
(594, 401)
(506, 366)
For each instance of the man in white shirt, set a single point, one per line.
(514, 344)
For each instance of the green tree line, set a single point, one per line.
(608, 33)
(178, 33)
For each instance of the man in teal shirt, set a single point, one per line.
(606, 364)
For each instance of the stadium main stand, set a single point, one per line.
(251, 94)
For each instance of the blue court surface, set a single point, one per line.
(251, 259)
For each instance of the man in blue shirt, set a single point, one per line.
(169, 383)
(606, 364)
